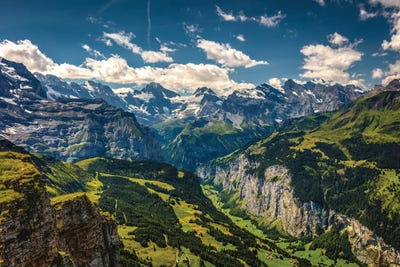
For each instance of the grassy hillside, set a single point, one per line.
(348, 160)
(165, 218)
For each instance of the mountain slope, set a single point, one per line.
(68, 129)
(324, 166)
(246, 116)
(38, 232)
(165, 218)
(193, 129)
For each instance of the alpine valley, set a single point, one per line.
(307, 174)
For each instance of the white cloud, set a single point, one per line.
(92, 51)
(270, 21)
(330, 64)
(115, 69)
(241, 38)
(264, 20)
(337, 39)
(364, 14)
(226, 16)
(394, 43)
(320, 2)
(227, 56)
(276, 83)
(27, 53)
(377, 73)
(69, 71)
(176, 77)
(390, 78)
(392, 73)
(124, 39)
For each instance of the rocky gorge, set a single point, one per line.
(272, 198)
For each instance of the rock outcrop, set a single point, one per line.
(34, 232)
(84, 234)
(272, 198)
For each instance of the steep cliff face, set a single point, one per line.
(28, 235)
(77, 129)
(85, 235)
(272, 197)
(67, 129)
(33, 232)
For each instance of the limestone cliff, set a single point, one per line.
(35, 232)
(272, 198)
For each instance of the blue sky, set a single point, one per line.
(221, 44)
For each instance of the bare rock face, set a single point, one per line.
(33, 232)
(68, 129)
(28, 234)
(85, 235)
(77, 129)
(272, 198)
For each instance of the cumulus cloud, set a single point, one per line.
(227, 56)
(92, 51)
(337, 39)
(241, 38)
(175, 77)
(330, 63)
(115, 69)
(377, 73)
(26, 52)
(124, 39)
(264, 20)
(387, 76)
(394, 42)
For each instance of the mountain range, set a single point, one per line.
(67, 128)
(303, 175)
(194, 128)
(339, 168)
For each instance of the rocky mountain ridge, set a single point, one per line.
(69, 129)
(262, 105)
(272, 198)
(329, 169)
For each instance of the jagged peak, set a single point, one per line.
(204, 90)
(158, 90)
(18, 76)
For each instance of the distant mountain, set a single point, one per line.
(69, 129)
(245, 116)
(198, 127)
(339, 168)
